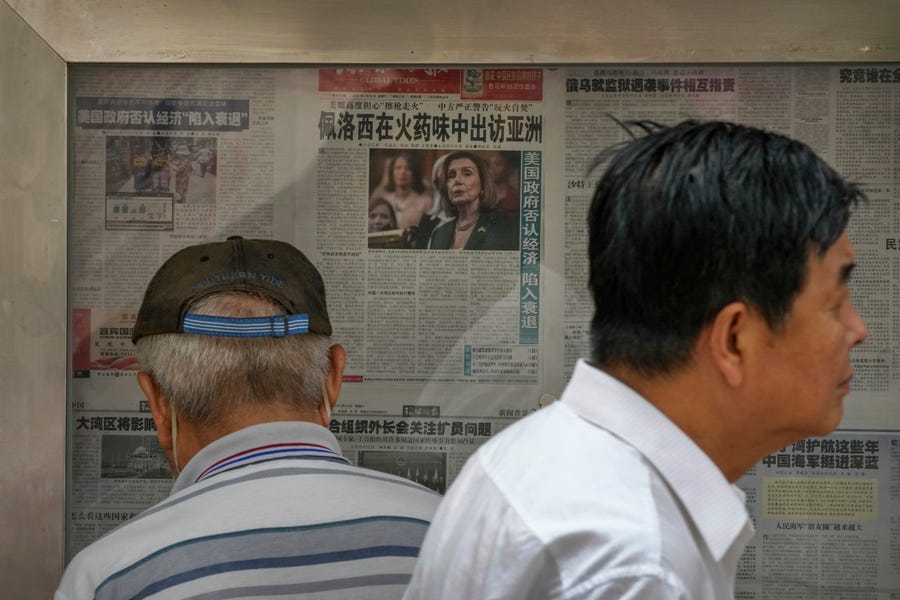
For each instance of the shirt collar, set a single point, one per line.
(258, 443)
(716, 507)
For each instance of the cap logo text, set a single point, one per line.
(227, 276)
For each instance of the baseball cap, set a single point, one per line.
(267, 267)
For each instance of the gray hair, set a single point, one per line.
(204, 377)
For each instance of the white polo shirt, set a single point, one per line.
(597, 496)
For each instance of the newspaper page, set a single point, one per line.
(827, 510)
(443, 344)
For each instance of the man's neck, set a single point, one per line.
(194, 438)
(694, 400)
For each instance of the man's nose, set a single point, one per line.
(857, 326)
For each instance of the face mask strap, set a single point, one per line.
(327, 404)
(174, 438)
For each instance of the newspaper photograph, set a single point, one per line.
(411, 310)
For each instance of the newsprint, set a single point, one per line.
(447, 346)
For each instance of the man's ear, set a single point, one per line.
(159, 408)
(729, 337)
(335, 376)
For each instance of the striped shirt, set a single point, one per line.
(271, 510)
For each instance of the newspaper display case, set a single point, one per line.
(296, 128)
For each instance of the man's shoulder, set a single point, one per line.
(554, 463)
(558, 513)
(266, 513)
(400, 488)
(349, 489)
(97, 562)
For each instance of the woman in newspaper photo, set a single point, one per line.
(383, 230)
(381, 215)
(469, 196)
(405, 189)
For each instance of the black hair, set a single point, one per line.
(689, 218)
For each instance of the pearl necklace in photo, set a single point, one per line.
(467, 226)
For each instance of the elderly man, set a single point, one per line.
(722, 332)
(241, 374)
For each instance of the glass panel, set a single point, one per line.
(447, 347)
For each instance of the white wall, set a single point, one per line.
(32, 310)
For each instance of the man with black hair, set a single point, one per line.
(722, 331)
(241, 374)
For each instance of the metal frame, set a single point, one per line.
(40, 38)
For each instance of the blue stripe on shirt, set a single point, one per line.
(277, 563)
(292, 529)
